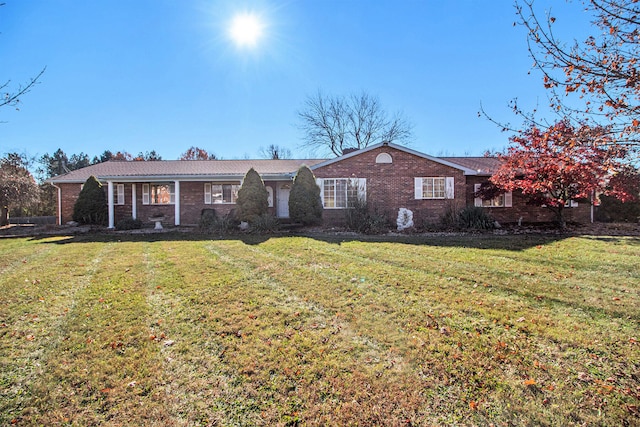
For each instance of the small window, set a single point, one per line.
(270, 195)
(220, 193)
(384, 158)
(503, 200)
(118, 195)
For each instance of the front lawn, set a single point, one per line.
(172, 329)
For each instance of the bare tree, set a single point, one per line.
(335, 123)
(275, 152)
(595, 81)
(11, 96)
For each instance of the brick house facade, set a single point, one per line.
(390, 177)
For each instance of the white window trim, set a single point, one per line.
(359, 183)
(507, 197)
(146, 194)
(449, 188)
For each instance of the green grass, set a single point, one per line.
(174, 329)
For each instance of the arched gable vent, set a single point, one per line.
(384, 158)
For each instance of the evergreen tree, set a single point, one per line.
(305, 205)
(91, 206)
(253, 199)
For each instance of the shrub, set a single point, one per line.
(91, 206)
(208, 218)
(253, 198)
(212, 223)
(360, 218)
(449, 218)
(475, 218)
(614, 210)
(265, 223)
(305, 205)
(129, 224)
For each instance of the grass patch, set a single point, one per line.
(506, 330)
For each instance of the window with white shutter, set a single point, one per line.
(119, 195)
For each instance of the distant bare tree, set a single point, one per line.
(275, 152)
(337, 123)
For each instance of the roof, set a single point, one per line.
(184, 169)
(482, 165)
(202, 170)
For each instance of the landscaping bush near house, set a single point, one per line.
(467, 218)
(449, 219)
(91, 206)
(253, 198)
(305, 205)
(265, 223)
(211, 222)
(361, 218)
(129, 224)
(475, 218)
(614, 210)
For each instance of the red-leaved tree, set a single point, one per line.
(561, 163)
(197, 153)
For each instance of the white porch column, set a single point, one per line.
(110, 203)
(134, 202)
(177, 204)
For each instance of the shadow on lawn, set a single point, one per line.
(509, 242)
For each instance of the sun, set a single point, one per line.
(246, 29)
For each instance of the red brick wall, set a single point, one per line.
(528, 213)
(69, 194)
(391, 186)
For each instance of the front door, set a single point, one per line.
(282, 195)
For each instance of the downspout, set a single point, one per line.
(59, 202)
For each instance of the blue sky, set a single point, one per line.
(164, 75)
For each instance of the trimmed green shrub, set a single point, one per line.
(253, 198)
(91, 206)
(305, 205)
(129, 224)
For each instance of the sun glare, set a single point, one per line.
(246, 29)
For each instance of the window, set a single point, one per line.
(503, 200)
(439, 187)
(220, 193)
(158, 194)
(269, 195)
(336, 193)
(118, 195)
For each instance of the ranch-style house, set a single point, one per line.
(389, 176)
